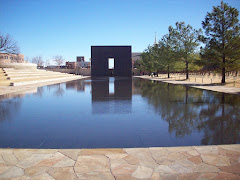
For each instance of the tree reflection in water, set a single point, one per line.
(9, 106)
(188, 109)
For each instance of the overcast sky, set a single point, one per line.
(70, 27)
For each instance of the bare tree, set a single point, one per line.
(7, 44)
(58, 60)
(37, 60)
(27, 59)
(47, 62)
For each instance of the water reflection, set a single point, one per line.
(111, 95)
(186, 109)
(10, 104)
(117, 113)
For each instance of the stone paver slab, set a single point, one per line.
(12, 173)
(44, 176)
(207, 149)
(191, 176)
(65, 162)
(180, 168)
(159, 154)
(180, 149)
(35, 171)
(122, 169)
(94, 163)
(144, 155)
(22, 154)
(165, 169)
(96, 176)
(2, 162)
(227, 152)
(205, 168)
(6, 151)
(173, 156)
(72, 153)
(46, 151)
(186, 163)
(33, 160)
(125, 177)
(155, 176)
(232, 168)
(117, 158)
(143, 172)
(224, 175)
(63, 173)
(132, 159)
(189, 154)
(168, 177)
(232, 147)
(4, 168)
(207, 176)
(216, 160)
(10, 159)
(48, 162)
(87, 152)
(196, 159)
(21, 178)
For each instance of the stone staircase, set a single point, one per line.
(13, 77)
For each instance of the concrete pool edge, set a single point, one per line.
(216, 88)
(193, 162)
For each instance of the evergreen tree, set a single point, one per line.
(222, 37)
(186, 40)
(167, 54)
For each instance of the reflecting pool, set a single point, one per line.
(116, 113)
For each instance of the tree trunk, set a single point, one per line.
(168, 73)
(223, 70)
(186, 69)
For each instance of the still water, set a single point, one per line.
(117, 113)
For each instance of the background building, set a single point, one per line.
(81, 62)
(71, 65)
(11, 58)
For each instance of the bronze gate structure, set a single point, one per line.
(100, 56)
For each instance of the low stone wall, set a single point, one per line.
(69, 71)
(78, 71)
(83, 71)
(22, 66)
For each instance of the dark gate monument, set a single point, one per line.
(121, 57)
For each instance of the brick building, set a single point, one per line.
(11, 58)
(71, 65)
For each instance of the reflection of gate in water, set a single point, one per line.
(111, 95)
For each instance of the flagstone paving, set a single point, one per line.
(192, 162)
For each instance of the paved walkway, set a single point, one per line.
(193, 162)
(217, 88)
